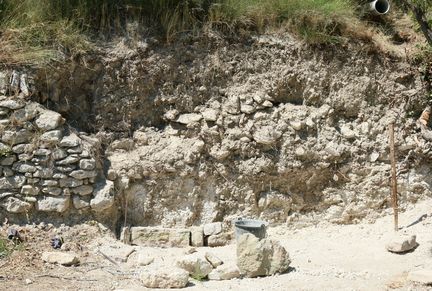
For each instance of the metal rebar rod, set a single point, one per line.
(393, 176)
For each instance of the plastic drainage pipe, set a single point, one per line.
(379, 7)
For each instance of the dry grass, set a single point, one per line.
(38, 31)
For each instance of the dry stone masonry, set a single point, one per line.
(44, 166)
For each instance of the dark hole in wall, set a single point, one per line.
(288, 90)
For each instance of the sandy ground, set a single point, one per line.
(324, 257)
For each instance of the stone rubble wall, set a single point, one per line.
(211, 130)
(46, 166)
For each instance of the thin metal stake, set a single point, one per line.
(393, 173)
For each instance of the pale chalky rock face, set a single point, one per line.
(103, 196)
(261, 257)
(401, 243)
(164, 277)
(196, 264)
(61, 258)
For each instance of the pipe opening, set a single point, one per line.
(381, 6)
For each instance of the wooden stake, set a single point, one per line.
(393, 174)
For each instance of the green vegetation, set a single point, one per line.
(5, 248)
(42, 30)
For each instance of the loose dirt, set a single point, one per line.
(324, 257)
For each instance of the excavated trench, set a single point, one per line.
(211, 130)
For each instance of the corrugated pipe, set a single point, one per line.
(379, 7)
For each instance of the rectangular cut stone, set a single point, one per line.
(159, 237)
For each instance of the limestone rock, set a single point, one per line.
(22, 115)
(8, 160)
(210, 114)
(24, 168)
(165, 277)
(16, 137)
(218, 240)
(171, 114)
(55, 191)
(15, 205)
(42, 152)
(67, 161)
(213, 259)
(83, 190)
(232, 105)
(126, 144)
(78, 203)
(421, 276)
(117, 252)
(159, 237)
(45, 173)
(189, 118)
(70, 141)
(30, 190)
(143, 259)
(197, 236)
(65, 259)
(266, 135)
(261, 257)
(103, 196)
(196, 265)
(52, 136)
(49, 183)
(401, 243)
(212, 228)
(347, 132)
(70, 182)
(58, 154)
(140, 138)
(225, 272)
(13, 182)
(81, 174)
(49, 120)
(51, 204)
(87, 164)
(12, 104)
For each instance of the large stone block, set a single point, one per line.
(165, 277)
(213, 228)
(160, 237)
(197, 236)
(53, 204)
(261, 257)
